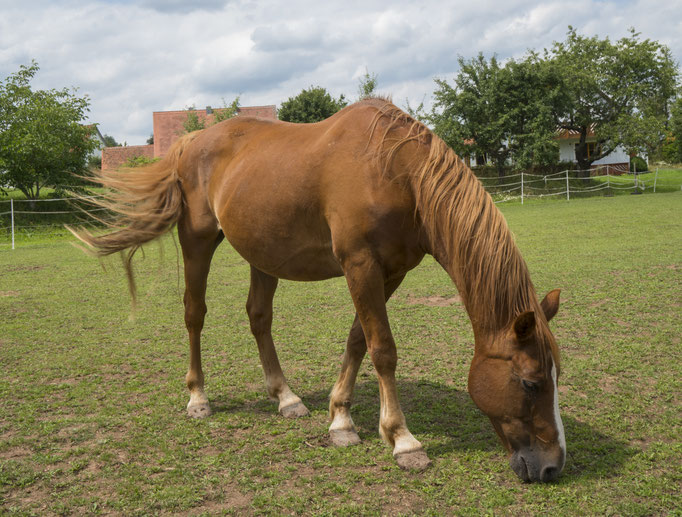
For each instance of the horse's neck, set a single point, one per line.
(482, 259)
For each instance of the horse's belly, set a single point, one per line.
(284, 246)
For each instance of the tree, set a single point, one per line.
(227, 111)
(671, 149)
(43, 140)
(503, 112)
(621, 91)
(367, 85)
(311, 105)
(110, 141)
(193, 122)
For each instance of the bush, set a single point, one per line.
(637, 164)
(139, 161)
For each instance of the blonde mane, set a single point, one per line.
(468, 233)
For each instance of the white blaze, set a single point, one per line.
(557, 417)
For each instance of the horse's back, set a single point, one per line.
(288, 197)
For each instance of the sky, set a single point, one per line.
(132, 58)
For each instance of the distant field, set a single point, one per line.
(92, 419)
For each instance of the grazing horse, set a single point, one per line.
(364, 194)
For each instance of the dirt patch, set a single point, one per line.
(24, 268)
(9, 293)
(15, 453)
(434, 300)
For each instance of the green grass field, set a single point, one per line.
(665, 180)
(92, 418)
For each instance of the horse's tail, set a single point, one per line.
(146, 203)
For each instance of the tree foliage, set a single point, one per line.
(672, 148)
(311, 105)
(367, 85)
(193, 122)
(110, 141)
(501, 112)
(227, 111)
(622, 91)
(43, 140)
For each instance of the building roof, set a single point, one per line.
(571, 134)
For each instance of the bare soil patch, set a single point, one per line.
(434, 300)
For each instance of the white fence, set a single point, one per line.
(520, 186)
(524, 185)
(14, 207)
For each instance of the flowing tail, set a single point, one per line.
(146, 203)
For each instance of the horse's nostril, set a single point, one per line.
(549, 474)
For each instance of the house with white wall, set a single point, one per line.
(617, 162)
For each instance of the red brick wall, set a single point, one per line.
(168, 124)
(115, 157)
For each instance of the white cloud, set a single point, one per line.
(136, 57)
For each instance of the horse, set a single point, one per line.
(364, 194)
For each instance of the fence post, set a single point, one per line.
(655, 179)
(521, 187)
(568, 195)
(11, 209)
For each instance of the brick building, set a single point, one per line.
(168, 126)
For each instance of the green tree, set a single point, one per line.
(672, 147)
(110, 141)
(227, 111)
(43, 139)
(367, 85)
(311, 105)
(503, 112)
(193, 122)
(622, 91)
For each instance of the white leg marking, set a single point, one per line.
(557, 417)
(342, 422)
(405, 442)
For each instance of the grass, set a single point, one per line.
(93, 421)
(666, 180)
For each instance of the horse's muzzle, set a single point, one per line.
(531, 467)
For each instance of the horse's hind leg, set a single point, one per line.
(259, 308)
(197, 252)
(342, 430)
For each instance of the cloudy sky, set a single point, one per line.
(135, 57)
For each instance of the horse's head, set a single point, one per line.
(513, 380)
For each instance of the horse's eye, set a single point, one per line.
(530, 387)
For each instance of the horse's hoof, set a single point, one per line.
(413, 460)
(294, 410)
(199, 410)
(344, 437)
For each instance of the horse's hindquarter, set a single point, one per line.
(290, 198)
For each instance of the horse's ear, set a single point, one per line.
(524, 325)
(550, 305)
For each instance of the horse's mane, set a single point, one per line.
(463, 224)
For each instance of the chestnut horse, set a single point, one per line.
(364, 194)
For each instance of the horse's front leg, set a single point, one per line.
(342, 430)
(259, 308)
(366, 284)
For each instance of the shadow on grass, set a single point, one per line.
(448, 414)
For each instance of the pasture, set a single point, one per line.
(92, 412)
